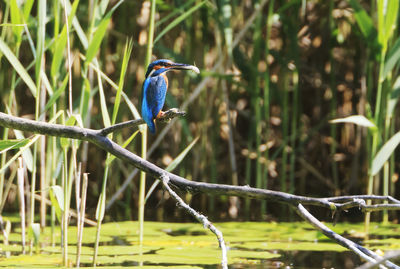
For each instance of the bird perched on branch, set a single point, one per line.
(155, 88)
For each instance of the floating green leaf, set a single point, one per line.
(190, 243)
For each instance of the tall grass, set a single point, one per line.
(142, 183)
(267, 103)
(379, 39)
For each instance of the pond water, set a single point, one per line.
(189, 245)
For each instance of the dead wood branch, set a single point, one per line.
(99, 138)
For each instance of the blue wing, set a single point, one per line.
(153, 99)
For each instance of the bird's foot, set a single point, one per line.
(160, 115)
(170, 114)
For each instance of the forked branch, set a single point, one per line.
(99, 138)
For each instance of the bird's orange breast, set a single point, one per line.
(166, 80)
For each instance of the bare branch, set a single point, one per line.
(365, 197)
(380, 207)
(119, 126)
(364, 253)
(388, 255)
(168, 115)
(201, 218)
(98, 138)
(95, 136)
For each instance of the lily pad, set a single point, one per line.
(189, 245)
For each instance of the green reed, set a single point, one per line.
(142, 183)
(267, 97)
(268, 106)
(333, 92)
(256, 99)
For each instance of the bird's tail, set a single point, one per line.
(152, 126)
(146, 115)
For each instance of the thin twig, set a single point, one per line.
(168, 115)
(364, 253)
(361, 204)
(193, 96)
(201, 218)
(82, 215)
(380, 207)
(95, 137)
(365, 197)
(108, 145)
(120, 126)
(388, 255)
(21, 196)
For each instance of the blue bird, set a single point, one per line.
(155, 88)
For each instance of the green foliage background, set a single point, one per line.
(273, 73)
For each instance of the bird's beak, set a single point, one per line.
(178, 66)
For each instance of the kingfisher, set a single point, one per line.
(155, 88)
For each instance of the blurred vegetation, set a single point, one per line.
(273, 74)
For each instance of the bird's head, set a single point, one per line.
(159, 67)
